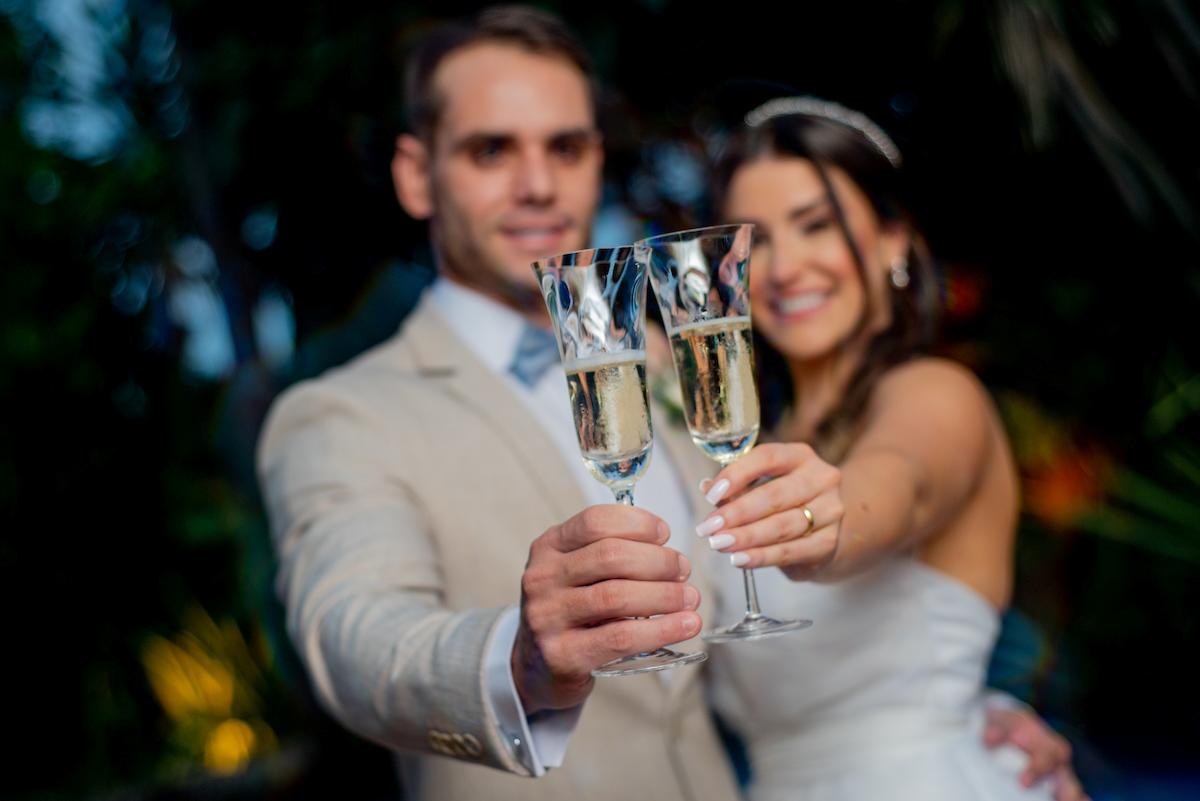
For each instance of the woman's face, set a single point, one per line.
(805, 289)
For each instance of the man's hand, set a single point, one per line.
(1049, 752)
(585, 578)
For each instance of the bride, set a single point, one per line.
(883, 697)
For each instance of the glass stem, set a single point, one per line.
(752, 609)
(625, 495)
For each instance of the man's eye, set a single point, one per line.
(568, 150)
(487, 153)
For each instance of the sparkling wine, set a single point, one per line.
(715, 362)
(612, 419)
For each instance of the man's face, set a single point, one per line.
(514, 167)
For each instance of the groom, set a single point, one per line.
(451, 572)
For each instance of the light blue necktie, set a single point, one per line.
(536, 352)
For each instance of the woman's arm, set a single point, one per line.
(924, 447)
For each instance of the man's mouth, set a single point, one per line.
(540, 239)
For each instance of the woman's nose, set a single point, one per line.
(786, 260)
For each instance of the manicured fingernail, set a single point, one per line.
(704, 482)
(720, 541)
(738, 559)
(691, 624)
(664, 531)
(691, 597)
(710, 526)
(718, 491)
(685, 568)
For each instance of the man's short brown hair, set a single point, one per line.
(531, 29)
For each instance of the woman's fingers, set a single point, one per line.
(792, 523)
(764, 461)
(801, 558)
(779, 505)
(793, 490)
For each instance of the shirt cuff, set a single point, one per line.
(540, 741)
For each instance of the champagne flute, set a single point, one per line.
(597, 304)
(701, 280)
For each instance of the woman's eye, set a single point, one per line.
(818, 224)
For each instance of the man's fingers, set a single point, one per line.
(1038, 767)
(600, 566)
(610, 520)
(1067, 786)
(602, 644)
(997, 727)
(617, 558)
(994, 735)
(609, 600)
(1049, 753)
(1045, 756)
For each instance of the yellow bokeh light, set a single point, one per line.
(186, 680)
(229, 746)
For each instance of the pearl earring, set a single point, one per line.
(899, 273)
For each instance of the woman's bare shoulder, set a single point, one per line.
(936, 383)
(930, 403)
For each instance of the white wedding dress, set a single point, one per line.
(881, 699)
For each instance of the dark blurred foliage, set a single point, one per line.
(196, 211)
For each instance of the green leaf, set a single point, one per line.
(1121, 526)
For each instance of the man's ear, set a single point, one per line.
(410, 176)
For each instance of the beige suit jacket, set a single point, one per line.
(404, 490)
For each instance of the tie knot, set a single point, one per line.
(536, 351)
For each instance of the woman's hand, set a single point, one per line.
(779, 505)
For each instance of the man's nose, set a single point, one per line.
(534, 181)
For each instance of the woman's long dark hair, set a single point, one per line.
(915, 309)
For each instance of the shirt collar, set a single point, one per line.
(490, 329)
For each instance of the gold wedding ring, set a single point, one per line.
(808, 515)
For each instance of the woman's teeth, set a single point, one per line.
(801, 303)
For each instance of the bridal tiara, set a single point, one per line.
(815, 107)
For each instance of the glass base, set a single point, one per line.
(754, 627)
(662, 659)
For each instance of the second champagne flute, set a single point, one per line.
(701, 280)
(597, 304)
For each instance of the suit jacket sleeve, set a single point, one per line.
(360, 579)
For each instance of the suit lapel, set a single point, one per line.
(439, 354)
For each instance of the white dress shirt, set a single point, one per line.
(492, 331)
